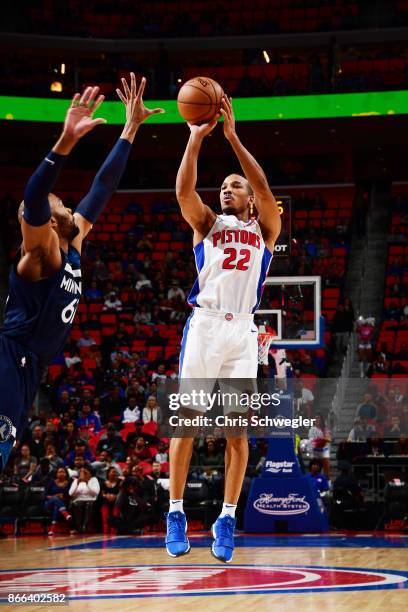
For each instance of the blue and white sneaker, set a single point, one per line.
(223, 534)
(177, 543)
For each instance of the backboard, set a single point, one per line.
(291, 305)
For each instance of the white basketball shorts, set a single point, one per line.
(219, 345)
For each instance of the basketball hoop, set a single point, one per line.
(264, 342)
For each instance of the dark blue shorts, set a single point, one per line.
(19, 382)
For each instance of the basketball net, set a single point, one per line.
(264, 342)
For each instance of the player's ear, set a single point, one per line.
(20, 212)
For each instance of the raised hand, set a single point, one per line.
(78, 120)
(229, 117)
(132, 98)
(205, 128)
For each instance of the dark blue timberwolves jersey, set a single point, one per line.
(39, 314)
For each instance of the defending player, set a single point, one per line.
(45, 281)
(232, 253)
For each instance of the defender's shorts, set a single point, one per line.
(19, 382)
(219, 345)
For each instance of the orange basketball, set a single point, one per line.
(199, 99)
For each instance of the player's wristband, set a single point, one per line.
(36, 205)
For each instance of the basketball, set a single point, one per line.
(199, 99)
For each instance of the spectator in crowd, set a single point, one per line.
(88, 419)
(211, 459)
(56, 497)
(142, 315)
(100, 271)
(109, 492)
(346, 480)
(309, 366)
(162, 455)
(50, 434)
(374, 447)
(68, 437)
(114, 403)
(304, 398)
(113, 443)
(39, 420)
(399, 397)
(53, 458)
(392, 406)
(130, 462)
(78, 464)
(103, 464)
(36, 443)
(320, 438)
(93, 293)
(394, 428)
(157, 471)
(401, 447)
(367, 409)
(80, 449)
(151, 412)
(160, 376)
(25, 464)
(83, 491)
(112, 302)
(319, 480)
(404, 419)
(141, 450)
(341, 327)
(361, 430)
(175, 291)
(380, 365)
(365, 332)
(63, 403)
(133, 510)
(145, 243)
(73, 358)
(43, 473)
(132, 413)
(86, 340)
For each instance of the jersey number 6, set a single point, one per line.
(241, 264)
(68, 314)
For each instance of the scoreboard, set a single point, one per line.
(284, 242)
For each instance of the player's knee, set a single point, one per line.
(239, 442)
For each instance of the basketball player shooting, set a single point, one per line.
(45, 280)
(233, 253)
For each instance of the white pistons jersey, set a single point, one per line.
(232, 263)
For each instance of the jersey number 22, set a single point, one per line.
(230, 262)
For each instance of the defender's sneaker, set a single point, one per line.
(223, 534)
(177, 543)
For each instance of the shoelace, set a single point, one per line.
(176, 523)
(225, 529)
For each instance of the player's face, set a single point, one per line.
(234, 195)
(64, 218)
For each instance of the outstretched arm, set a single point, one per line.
(268, 212)
(35, 222)
(107, 179)
(195, 212)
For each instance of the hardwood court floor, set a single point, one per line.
(304, 573)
